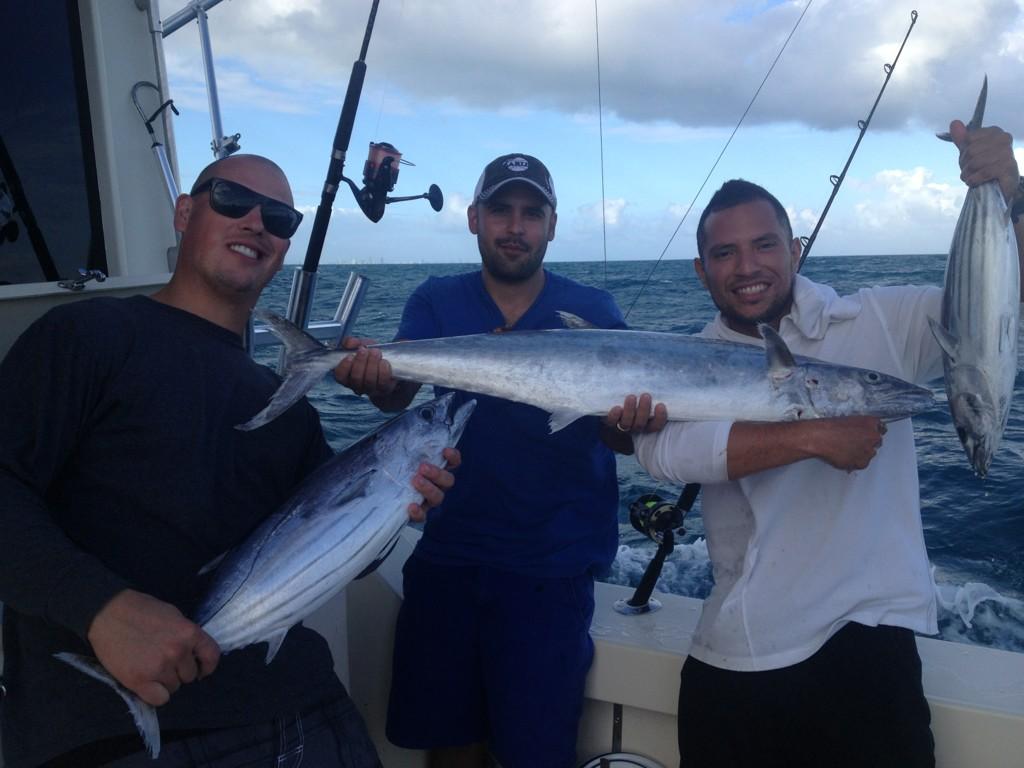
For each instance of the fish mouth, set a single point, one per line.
(907, 400)
(458, 419)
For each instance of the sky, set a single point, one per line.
(629, 103)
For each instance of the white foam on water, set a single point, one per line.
(972, 612)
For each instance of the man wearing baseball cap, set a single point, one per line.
(492, 645)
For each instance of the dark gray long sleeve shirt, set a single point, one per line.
(120, 467)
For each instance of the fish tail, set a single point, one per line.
(298, 378)
(142, 713)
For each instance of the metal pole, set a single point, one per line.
(302, 291)
(176, 21)
(219, 149)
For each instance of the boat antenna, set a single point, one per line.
(718, 159)
(600, 133)
(837, 181)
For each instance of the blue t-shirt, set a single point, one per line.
(524, 500)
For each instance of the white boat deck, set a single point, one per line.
(976, 694)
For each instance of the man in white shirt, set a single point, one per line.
(805, 652)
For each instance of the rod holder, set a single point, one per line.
(350, 304)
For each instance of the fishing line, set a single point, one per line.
(600, 133)
(718, 159)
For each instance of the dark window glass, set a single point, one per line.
(49, 205)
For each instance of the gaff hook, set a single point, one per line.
(158, 149)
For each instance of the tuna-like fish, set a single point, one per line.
(344, 516)
(575, 372)
(980, 312)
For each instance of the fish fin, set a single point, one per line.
(296, 384)
(386, 550)
(212, 565)
(353, 489)
(979, 108)
(142, 713)
(569, 320)
(780, 359)
(946, 341)
(274, 645)
(562, 418)
(979, 112)
(306, 362)
(295, 339)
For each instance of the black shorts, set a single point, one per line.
(856, 702)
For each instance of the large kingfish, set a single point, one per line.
(342, 518)
(575, 372)
(980, 311)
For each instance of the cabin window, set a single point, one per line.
(49, 202)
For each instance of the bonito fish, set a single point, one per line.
(980, 312)
(575, 372)
(344, 516)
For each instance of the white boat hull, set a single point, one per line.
(976, 694)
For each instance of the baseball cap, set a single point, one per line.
(515, 167)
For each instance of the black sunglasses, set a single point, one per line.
(231, 199)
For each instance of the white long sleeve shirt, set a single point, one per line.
(800, 550)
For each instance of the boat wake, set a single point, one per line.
(973, 612)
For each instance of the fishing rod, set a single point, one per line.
(651, 515)
(380, 173)
(718, 159)
(837, 181)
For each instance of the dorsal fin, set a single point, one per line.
(569, 320)
(780, 359)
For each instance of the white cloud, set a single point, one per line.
(910, 198)
(664, 63)
(613, 210)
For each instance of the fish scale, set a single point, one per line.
(980, 317)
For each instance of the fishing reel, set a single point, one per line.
(652, 516)
(660, 521)
(380, 174)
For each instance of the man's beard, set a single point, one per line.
(518, 272)
(775, 311)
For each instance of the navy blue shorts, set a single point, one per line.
(489, 656)
(330, 735)
(857, 702)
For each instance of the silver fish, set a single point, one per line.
(980, 314)
(575, 372)
(342, 519)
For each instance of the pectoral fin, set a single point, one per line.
(562, 419)
(946, 341)
(274, 645)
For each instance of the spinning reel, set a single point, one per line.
(380, 174)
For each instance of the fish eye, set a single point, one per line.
(873, 377)
(427, 414)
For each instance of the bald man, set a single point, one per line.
(121, 476)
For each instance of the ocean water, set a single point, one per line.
(974, 529)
